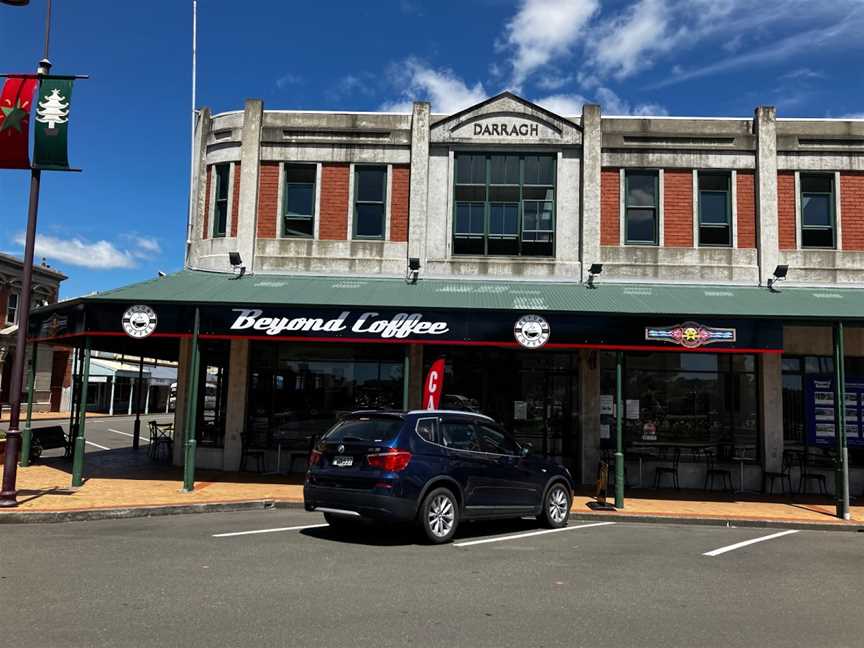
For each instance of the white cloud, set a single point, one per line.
(570, 105)
(74, 251)
(442, 88)
(542, 30)
(566, 105)
(288, 79)
(553, 81)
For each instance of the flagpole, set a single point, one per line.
(8, 494)
(192, 134)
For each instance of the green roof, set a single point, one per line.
(200, 287)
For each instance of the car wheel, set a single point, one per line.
(439, 515)
(556, 507)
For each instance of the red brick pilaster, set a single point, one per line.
(678, 208)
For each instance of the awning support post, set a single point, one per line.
(73, 399)
(841, 481)
(136, 433)
(191, 413)
(78, 456)
(26, 433)
(619, 433)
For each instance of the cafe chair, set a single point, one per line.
(161, 441)
(712, 472)
(672, 471)
(253, 445)
(807, 476)
(784, 476)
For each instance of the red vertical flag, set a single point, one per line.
(15, 102)
(434, 385)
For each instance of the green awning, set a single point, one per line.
(197, 287)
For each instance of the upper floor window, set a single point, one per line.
(220, 206)
(298, 203)
(817, 210)
(370, 201)
(504, 204)
(715, 209)
(641, 214)
(12, 308)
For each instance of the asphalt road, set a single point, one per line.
(169, 582)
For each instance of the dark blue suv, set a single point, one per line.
(435, 468)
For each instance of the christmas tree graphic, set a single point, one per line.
(53, 110)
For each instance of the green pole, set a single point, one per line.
(191, 414)
(619, 433)
(78, 456)
(841, 479)
(26, 434)
(406, 372)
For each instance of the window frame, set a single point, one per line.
(286, 217)
(655, 207)
(219, 203)
(382, 202)
(488, 204)
(832, 207)
(728, 224)
(13, 309)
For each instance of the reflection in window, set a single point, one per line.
(298, 204)
(817, 210)
(220, 207)
(640, 214)
(212, 394)
(715, 210)
(370, 197)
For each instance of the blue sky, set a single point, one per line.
(123, 218)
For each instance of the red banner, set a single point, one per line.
(15, 103)
(434, 385)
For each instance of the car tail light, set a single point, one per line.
(392, 460)
(314, 458)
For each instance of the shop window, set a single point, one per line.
(298, 202)
(12, 308)
(641, 189)
(220, 205)
(715, 211)
(817, 210)
(504, 205)
(370, 202)
(212, 395)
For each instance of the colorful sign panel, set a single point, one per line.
(690, 335)
(819, 410)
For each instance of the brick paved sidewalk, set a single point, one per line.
(126, 483)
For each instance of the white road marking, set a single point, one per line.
(143, 440)
(96, 445)
(738, 545)
(277, 530)
(530, 534)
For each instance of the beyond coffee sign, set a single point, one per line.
(360, 324)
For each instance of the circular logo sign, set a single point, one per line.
(531, 331)
(139, 321)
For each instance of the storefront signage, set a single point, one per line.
(503, 129)
(434, 385)
(819, 406)
(139, 321)
(400, 326)
(531, 331)
(690, 335)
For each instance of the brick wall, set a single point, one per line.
(268, 199)
(399, 203)
(205, 228)
(852, 210)
(610, 207)
(786, 209)
(334, 202)
(678, 208)
(235, 204)
(746, 225)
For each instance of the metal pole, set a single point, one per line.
(73, 397)
(136, 434)
(78, 458)
(192, 135)
(26, 435)
(619, 433)
(191, 413)
(841, 481)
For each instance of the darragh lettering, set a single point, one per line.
(402, 325)
(503, 129)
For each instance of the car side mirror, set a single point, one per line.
(526, 449)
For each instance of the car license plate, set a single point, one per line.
(342, 461)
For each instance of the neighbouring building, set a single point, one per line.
(333, 256)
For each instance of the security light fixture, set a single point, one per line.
(780, 273)
(593, 271)
(413, 270)
(236, 263)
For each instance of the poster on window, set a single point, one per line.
(819, 406)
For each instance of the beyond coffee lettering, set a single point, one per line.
(401, 325)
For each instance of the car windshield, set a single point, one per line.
(366, 429)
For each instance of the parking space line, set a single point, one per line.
(530, 534)
(128, 434)
(738, 545)
(96, 445)
(294, 528)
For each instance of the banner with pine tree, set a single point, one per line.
(14, 122)
(52, 117)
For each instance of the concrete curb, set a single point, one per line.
(719, 521)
